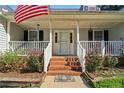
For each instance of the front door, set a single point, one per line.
(63, 43)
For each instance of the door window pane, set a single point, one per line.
(56, 37)
(71, 38)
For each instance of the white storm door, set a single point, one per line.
(64, 44)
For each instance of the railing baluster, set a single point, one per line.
(24, 47)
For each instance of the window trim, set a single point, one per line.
(37, 34)
(98, 30)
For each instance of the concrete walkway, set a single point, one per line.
(50, 83)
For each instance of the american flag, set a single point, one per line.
(24, 12)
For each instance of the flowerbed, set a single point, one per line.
(103, 71)
(17, 71)
(12, 62)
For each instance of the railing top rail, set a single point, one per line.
(113, 41)
(89, 41)
(100, 41)
(30, 41)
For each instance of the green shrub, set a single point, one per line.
(9, 62)
(110, 83)
(93, 62)
(110, 61)
(35, 62)
(122, 50)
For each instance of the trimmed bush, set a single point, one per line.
(93, 62)
(110, 61)
(9, 62)
(35, 62)
(110, 83)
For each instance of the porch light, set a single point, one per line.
(38, 25)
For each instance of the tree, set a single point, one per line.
(111, 7)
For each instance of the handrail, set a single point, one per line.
(81, 54)
(47, 56)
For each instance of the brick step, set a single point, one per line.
(61, 67)
(58, 63)
(58, 59)
(67, 58)
(64, 63)
(64, 72)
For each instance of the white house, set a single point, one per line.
(64, 33)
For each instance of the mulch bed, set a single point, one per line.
(103, 74)
(16, 79)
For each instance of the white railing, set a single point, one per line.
(81, 54)
(47, 56)
(113, 47)
(103, 47)
(25, 47)
(91, 46)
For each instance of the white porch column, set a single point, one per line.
(50, 36)
(50, 26)
(8, 34)
(77, 24)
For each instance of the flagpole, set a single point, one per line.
(50, 25)
(50, 28)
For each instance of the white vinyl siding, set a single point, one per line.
(3, 36)
(16, 32)
(117, 32)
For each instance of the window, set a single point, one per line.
(56, 37)
(33, 36)
(98, 35)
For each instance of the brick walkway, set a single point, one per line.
(49, 83)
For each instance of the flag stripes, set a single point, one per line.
(24, 12)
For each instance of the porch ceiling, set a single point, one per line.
(68, 24)
(68, 19)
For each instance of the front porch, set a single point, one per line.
(68, 33)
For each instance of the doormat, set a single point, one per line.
(64, 78)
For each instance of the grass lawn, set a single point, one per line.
(109, 83)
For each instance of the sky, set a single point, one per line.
(55, 6)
